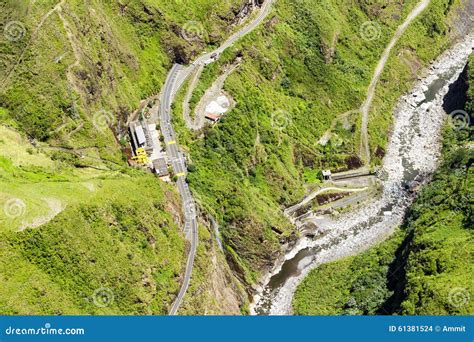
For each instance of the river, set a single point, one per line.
(413, 152)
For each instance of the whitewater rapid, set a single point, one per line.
(413, 150)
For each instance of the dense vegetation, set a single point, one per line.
(70, 71)
(307, 65)
(96, 62)
(79, 69)
(426, 267)
(214, 289)
(95, 234)
(115, 245)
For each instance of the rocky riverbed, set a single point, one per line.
(412, 153)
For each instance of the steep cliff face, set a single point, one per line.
(96, 236)
(214, 290)
(425, 267)
(303, 73)
(84, 63)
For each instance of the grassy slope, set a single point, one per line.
(426, 267)
(124, 53)
(118, 227)
(106, 236)
(288, 92)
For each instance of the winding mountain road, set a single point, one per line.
(179, 168)
(175, 79)
(211, 93)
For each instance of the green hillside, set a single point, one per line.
(306, 66)
(79, 224)
(426, 267)
(92, 63)
(101, 228)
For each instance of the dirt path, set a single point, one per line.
(190, 123)
(75, 49)
(32, 37)
(214, 90)
(365, 108)
(308, 198)
(343, 116)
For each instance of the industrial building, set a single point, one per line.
(147, 150)
(212, 117)
(160, 167)
(327, 175)
(140, 136)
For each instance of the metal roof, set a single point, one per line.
(160, 166)
(140, 134)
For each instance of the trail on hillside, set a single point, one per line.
(365, 108)
(190, 123)
(75, 49)
(32, 37)
(412, 154)
(212, 92)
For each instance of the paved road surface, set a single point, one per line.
(206, 58)
(174, 81)
(179, 168)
